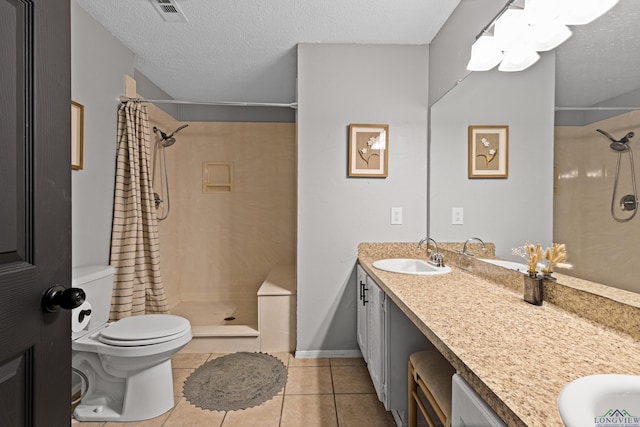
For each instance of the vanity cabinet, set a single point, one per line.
(386, 338)
(362, 312)
(377, 352)
(371, 331)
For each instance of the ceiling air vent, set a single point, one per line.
(169, 10)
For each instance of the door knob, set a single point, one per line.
(57, 297)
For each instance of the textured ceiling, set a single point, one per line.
(600, 60)
(245, 50)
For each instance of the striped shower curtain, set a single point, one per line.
(135, 246)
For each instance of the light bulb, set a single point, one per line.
(511, 30)
(537, 11)
(518, 59)
(549, 35)
(485, 54)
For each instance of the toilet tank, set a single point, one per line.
(97, 283)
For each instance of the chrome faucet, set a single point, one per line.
(471, 239)
(436, 258)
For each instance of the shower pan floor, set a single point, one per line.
(220, 318)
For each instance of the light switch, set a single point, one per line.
(457, 217)
(396, 216)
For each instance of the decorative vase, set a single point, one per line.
(533, 290)
(548, 276)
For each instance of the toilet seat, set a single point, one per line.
(144, 330)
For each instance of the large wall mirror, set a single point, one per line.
(598, 80)
(561, 170)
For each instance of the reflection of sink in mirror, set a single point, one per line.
(607, 399)
(410, 266)
(506, 264)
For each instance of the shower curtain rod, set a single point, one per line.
(218, 103)
(597, 108)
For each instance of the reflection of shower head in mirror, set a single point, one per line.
(168, 140)
(628, 202)
(618, 144)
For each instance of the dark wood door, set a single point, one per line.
(35, 211)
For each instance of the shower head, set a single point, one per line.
(618, 144)
(168, 140)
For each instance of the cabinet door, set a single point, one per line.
(376, 337)
(362, 311)
(468, 408)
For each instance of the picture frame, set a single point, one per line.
(368, 150)
(488, 151)
(77, 135)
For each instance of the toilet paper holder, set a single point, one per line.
(83, 314)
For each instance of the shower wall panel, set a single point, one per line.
(601, 249)
(221, 245)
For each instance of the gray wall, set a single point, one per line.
(508, 211)
(211, 113)
(200, 113)
(339, 85)
(149, 90)
(98, 64)
(582, 117)
(450, 50)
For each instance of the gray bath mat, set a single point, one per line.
(235, 381)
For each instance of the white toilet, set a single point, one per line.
(126, 364)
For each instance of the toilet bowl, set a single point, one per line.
(126, 364)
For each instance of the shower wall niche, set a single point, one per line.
(217, 247)
(601, 249)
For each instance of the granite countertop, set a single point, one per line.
(517, 356)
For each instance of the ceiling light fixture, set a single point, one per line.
(518, 59)
(549, 35)
(485, 54)
(520, 30)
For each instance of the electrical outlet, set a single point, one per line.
(457, 216)
(396, 216)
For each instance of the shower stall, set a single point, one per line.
(595, 198)
(232, 217)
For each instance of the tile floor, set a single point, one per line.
(318, 393)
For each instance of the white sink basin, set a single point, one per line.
(410, 266)
(506, 264)
(607, 399)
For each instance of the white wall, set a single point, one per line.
(98, 63)
(339, 85)
(508, 211)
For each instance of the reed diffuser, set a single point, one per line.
(536, 257)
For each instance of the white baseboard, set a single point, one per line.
(317, 354)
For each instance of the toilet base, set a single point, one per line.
(142, 396)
